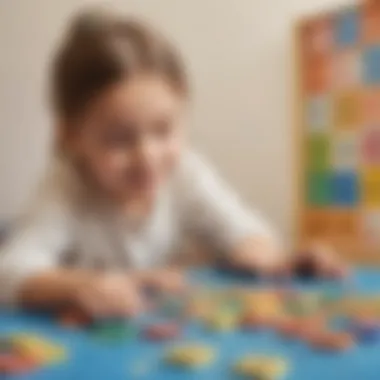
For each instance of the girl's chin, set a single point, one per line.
(149, 187)
(136, 193)
(143, 192)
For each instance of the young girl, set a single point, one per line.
(123, 189)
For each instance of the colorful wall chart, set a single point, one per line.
(339, 129)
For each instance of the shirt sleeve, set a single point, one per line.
(213, 210)
(35, 245)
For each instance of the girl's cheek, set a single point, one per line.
(117, 163)
(111, 166)
(173, 152)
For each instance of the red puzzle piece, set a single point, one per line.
(163, 331)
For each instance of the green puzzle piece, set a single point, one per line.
(319, 188)
(6, 345)
(306, 304)
(318, 152)
(114, 330)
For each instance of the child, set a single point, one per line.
(123, 189)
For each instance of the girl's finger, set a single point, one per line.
(118, 304)
(94, 306)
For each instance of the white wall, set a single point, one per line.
(240, 56)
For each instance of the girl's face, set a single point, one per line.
(130, 138)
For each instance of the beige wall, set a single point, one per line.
(239, 53)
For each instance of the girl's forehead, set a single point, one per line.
(143, 96)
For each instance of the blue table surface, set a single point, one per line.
(140, 359)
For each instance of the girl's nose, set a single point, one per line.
(144, 152)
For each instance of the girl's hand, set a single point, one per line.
(108, 295)
(260, 255)
(163, 280)
(322, 260)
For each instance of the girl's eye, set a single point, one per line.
(119, 138)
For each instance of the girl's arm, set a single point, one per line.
(30, 261)
(52, 287)
(30, 258)
(215, 212)
(31, 275)
(97, 294)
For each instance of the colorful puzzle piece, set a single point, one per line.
(346, 221)
(371, 226)
(370, 106)
(261, 367)
(318, 37)
(318, 75)
(319, 152)
(346, 151)
(371, 64)
(113, 330)
(370, 146)
(347, 69)
(191, 355)
(319, 188)
(319, 113)
(371, 22)
(6, 345)
(331, 341)
(348, 28)
(304, 303)
(162, 331)
(347, 110)
(38, 349)
(346, 191)
(267, 307)
(222, 321)
(317, 223)
(371, 187)
(14, 364)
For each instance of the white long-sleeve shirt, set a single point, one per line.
(65, 224)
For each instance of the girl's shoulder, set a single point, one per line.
(194, 165)
(195, 176)
(59, 181)
(55, 192)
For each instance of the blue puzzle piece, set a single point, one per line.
(345, 189)
(371, 65)
(365, 332)
(347, 28)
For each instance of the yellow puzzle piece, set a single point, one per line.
(261, 367)
(222, 321)
(264, 305)
(192, 356)
(39, 349)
